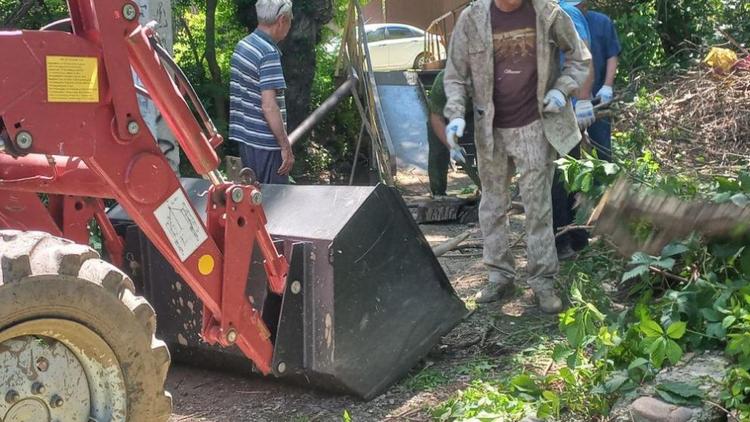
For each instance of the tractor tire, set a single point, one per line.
(76, 343)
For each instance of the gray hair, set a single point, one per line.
(270, 10)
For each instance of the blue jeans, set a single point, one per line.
(265, 164)
(601, 136)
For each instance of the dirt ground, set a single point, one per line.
(484, 341)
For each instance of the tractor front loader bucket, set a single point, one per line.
(366, 298)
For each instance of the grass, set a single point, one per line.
(427, 380)
(495, 384)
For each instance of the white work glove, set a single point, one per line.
(585, 114)
(606, 94)
(453, 131)
(554, 101)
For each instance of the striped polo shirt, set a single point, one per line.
(255, 67)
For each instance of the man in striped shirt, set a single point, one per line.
(257, 116)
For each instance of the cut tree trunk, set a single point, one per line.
(642, 221)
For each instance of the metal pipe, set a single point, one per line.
(183, 80)
(194, 142)
(329, 104)
(215, 177)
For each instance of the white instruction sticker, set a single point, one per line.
(182, 227)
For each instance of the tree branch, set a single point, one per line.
(193, 47)
(570, 228)
(12, 20)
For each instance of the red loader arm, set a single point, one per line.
(71, 125)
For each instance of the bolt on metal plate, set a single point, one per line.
(296, 287)
(129, 12)
(237, 195)
(24, 140)
(133, 128)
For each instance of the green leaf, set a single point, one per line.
(640, 258)
(637, 363)
(674, 249)
(711, 315)
(725, 250)
(728, 321)
(346, 417)
(744, 179)
(715, 329)
(739, 344)
(651, 328)
(587, 183)
(658, 351)
(561, 352)
(544, 412)
(596, 312)
(670, 397)
(575, 333)
(567, 318)
(681, 389)
(567, 375)
(550, 396)
(615, 382)
(575, 293)
(610, 169)
(641, 311)
(665, 264)
(676, 330)
(673, 351)
(636, 272)
(745, 262)
(524, 383)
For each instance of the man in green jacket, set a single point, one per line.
(439, 148)
(506, 55)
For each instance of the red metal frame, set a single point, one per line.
(103, 150)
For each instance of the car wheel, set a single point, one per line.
(422, 59)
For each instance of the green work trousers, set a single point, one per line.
(437, 163)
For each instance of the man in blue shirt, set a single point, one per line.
(583, 106)
(605, 49)
(257, 107)
(563, 212)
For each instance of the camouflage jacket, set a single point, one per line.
(470, 70)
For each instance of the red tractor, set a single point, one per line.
(332, 286)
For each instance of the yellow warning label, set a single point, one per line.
(72, 79)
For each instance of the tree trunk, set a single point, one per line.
(299, 58)
(220, 100)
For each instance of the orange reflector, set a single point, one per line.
(206, 264)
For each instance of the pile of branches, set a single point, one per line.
(709, 111)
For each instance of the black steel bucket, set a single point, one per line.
(371, 298)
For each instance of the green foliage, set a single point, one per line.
(680, 393)
(693, 296)
(346, 417)
(329, 148)
(589, 175)
(669, 34)
(36, 16)
(190, 49)
(426, 380)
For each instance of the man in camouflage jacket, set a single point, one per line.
(505, 55)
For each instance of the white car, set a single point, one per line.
(395, 46)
